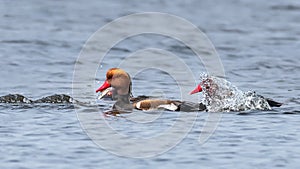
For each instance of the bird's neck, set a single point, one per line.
(123, 103)
(123, 98)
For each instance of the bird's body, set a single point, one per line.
(217, 92)
(120, 82)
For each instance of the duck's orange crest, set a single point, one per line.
(114, 72)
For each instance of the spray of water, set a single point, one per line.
(221, 95)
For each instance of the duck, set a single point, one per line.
(211, 89)
(118, 86)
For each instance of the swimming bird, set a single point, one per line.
(223, 93)
(118, 84)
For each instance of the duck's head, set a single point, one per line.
(209, 85)
(119, 80)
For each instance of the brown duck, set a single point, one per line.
(120, 82)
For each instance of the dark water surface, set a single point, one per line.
(258, 42)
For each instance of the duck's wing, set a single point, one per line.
(171, 105)
(152, 104)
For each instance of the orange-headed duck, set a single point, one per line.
(118, 86)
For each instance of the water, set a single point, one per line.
(221, 96)
(258, 43)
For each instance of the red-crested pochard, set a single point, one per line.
(210, 87)
(120, 82)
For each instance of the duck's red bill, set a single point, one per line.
(196, 90)
(104, 86)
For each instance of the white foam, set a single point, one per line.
(221, 95)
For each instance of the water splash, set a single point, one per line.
(221, 95)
